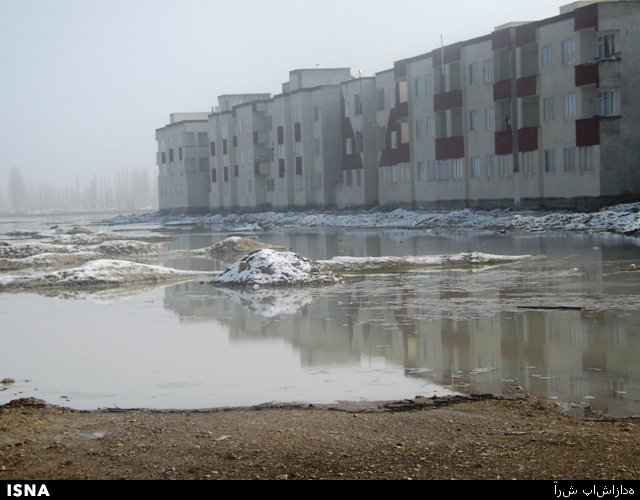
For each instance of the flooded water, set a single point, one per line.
(381, 337)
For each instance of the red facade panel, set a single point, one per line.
(500, 39)
(587, 74)
(448, 100)
(586, 17)
(587, 132)
(528, 139)
(525, 34)
(528, 86)
(450, 148)
(354, 160)
(504, 143)
(502, 90)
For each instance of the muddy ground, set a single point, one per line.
(471, 438)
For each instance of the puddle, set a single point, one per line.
(382, 337)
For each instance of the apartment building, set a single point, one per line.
(359, 184)
(183, 164)
(537, 114)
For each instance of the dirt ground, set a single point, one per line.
(460, 438)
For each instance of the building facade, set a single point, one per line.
(533, 115)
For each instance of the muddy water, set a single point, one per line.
(382, 337)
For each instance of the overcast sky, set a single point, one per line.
(85, 83)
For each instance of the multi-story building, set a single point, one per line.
(183, 163)
(539, 114)
(359, 186)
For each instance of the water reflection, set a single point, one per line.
(461, 330)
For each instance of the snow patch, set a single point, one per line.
(233, 245)
(100, 273)
(360, 264)
(620, 219)
(269, 267)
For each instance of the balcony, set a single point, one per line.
(262, 167)
(261, 138)
(195, 152)
(502, 90)
(587, 132)
(447, 100)
(587, 74)
(527, 86)
(504, 142)
(528, 139)
(450, 148)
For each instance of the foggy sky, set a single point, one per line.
(85, 84)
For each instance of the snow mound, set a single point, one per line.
(269, 267)
(100, 273)
(31, 249)
(125, 247)
(234, 245)
(48, 260)
(361, 264)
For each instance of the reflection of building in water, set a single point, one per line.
(571, 355)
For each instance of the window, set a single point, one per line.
(380, 99)
(392, 99)
(416, 88)
(548, 109)
(281, 151)
(401, 173)
(419, 131)
(570, 159)
(423, 173)
(606, 103)
(348, 178)
(568, 52)
(547, 57)
(487, 71)
(279, 119)
(317, 147)
(214, 176)
(528, 162)
(298, 149)
(349, 147)
(474, 74)
(473, 120)
(359, 177)
(431, 127)
(606, 46)
(585, 159)
(489, 162)
(432, 171)
(297, 115)
(358, 104)
(316, 113)
(550, 161)
(394, 140)
(458, 169)
(429, 85)
(271, 185)
(443, 170)
(570, 106)
(475, 167)
(212, 149)
(359, 142)
(490, 118)
(505, 165)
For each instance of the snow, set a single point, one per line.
(233, 245)
(621, 219)
(101, 273)
(390, 263)
(269, 267)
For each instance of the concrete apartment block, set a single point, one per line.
(183, 164)
(536, 114)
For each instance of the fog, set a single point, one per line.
(85, 84)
